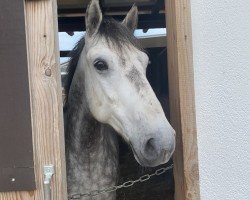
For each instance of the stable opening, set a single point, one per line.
(154, 40)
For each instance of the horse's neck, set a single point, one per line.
(91, 147)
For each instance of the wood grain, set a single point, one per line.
(46, 102)
(181, 95)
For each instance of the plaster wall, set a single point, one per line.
(221, 50)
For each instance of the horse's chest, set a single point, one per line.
(93, 168)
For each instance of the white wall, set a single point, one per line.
(221, 42)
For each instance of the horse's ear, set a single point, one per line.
(131, 19)
(93, 17)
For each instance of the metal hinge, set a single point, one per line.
(48, 171)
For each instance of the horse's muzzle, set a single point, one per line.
(155, 150)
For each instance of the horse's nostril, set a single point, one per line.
(151, 148)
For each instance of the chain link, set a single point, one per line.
(126, 184)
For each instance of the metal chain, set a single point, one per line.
(126, 184)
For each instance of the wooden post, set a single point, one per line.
(46, 99)
(181, 95)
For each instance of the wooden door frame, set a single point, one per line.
(182, 99)
(46, 102)
(46, 99)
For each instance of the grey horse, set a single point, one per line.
(109, 94)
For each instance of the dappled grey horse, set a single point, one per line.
(108, 94)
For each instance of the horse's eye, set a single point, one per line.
(100, 65)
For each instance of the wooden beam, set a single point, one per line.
(67, 24)
(146, 42)
(181, 95)
(42, 31)
(46, 99)
(72, 3)
(153, 41)
(106, 3)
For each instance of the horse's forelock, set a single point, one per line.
(117, 34)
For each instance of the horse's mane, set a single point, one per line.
(114, 32)
(74, 57)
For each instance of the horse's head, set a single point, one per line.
(117, 90)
